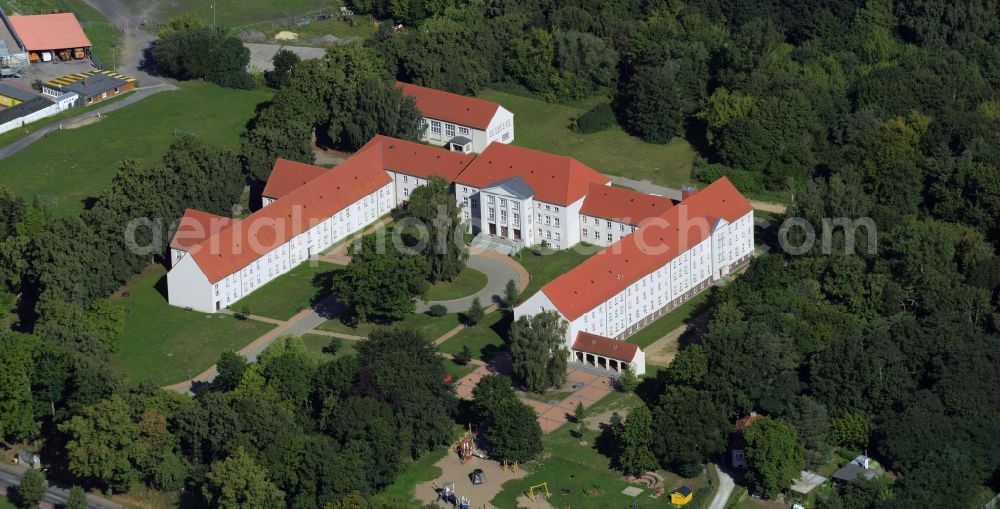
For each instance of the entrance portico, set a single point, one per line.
(607, 354)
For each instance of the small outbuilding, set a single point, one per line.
(861, 467)
(91, 86)
(681, 496)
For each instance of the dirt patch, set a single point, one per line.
(83, 122)
(595, 422)
(285, 35)
(663, 350)
(452, 470)
(539, 503)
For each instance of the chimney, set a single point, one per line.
(687, 192)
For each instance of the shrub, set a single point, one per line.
(599, 118)
(437, 310)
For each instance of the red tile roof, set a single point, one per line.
(605, 347)
(460, 109)
(196, 226)
(656, 242)
(556, 179)
(743, 422)
(419, 160)
(288, 176)
(623, 205)
(50, 31)
(233, 248)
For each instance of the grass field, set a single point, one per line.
(574, 463)
(670, 321)
(484, 340)
(231, 13)
(11, 136)
(165, 344)
(549, 265)
(72, 166)
(431, 326)
(5, 502)
(545, 126)
(102, 34)
(288, 294)
(468, 282)
(317, 342)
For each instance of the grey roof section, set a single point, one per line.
(25, 108)
(460, 140)
(16, 93)
(93, 85)
(516, 186)
(855, 469)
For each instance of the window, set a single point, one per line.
(609, 224)
(465, 201)
(489, 199)
(405, 178)
(596, 235)
(503, 215)
(463, 130)
(548, 235)
(517, 205)
(556, 209)
(548, 219)
(609, 237)
(517, 218)
(621, 227)
(503, 202)
(557, 221)
(435, 127)
(449, 129)
(406, 192)
(539, 218)
(547, 208)
(466, 214)
(584, 232)
(492, 213)
(506, 136)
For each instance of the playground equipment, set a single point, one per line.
(513, 467)
(542, 489)
(463, 503)
(477, 476)
(467, 446)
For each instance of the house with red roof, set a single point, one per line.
(525, 196)
(412, 164)
(460, 123)
(668, 259)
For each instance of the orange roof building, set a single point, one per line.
(287, 176)
(667, 260)
(461, 123)
(50, 32)
(412, 164)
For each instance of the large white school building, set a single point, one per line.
(460, 123)
(216, 261)
(668, 258)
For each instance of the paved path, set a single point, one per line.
(672, 193)
(726, 485)
(499, 269)
(10, 476)
(300, 324)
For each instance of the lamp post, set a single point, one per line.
(213, 14)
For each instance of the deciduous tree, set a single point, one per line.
(239, 482)
(538, 351)
(774, 455)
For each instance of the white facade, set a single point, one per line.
(404, 184)
(503, 214)
(190, 288)
(59, 104)
(660, 291)
(603, 232)
(500, 129)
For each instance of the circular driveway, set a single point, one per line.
(498, 270)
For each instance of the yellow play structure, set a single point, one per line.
(542, 488)
(513, 467)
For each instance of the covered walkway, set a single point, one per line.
(607, 354)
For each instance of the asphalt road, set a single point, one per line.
(497, 274)
(10, 477)
(726, 485)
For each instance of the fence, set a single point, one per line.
(293, 20)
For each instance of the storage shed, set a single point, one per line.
(46, 36)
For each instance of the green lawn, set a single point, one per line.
(670, 321)
(568, 464)
(288, 294)
(102, 35)
(231, 13)
(317, 342)
(417, 471)
(545, 126)
(5, 503)
(468, 282)
(69, 167)
(165, 344)
(484, 340)
(11, 136)
(549, 265)
(432, 327)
